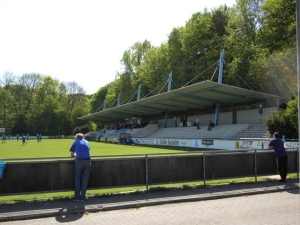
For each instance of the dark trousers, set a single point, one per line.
(82, 172)
(281, 164)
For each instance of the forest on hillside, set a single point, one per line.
(258, 37)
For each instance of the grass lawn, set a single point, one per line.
(60, 148)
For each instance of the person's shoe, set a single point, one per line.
(75, 199)
(82, 200)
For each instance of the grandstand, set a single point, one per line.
(233, 110)
(228, 132)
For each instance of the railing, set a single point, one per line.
(50, 178)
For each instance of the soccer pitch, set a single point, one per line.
(61, 148)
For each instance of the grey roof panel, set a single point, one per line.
(195, 96)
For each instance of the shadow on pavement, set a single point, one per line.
(70, 214)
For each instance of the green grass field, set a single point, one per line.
(60, 148)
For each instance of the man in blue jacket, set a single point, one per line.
(80, 150)
(280, 155)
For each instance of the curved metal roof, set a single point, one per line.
(195, 96)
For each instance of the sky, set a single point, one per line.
(84, 40)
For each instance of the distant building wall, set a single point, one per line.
(243, 117)
(225, 118)
(252, 116)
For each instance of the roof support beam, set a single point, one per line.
(221, 67)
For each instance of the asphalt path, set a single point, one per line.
(278, 208)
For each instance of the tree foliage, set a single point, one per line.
(33, 103)
(285, 121)
(259, 38)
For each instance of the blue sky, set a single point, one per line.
(84, 40)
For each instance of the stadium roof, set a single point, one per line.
(195, 96)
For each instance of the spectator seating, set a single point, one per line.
(231, 131)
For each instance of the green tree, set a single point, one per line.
(242, 45)
(291, 113)
(112, 94)
(125, 86)
(131, 60)
(47, 87)
(279, 24)
(98, 98)
(277, 73)
(155, 69)
(285, 121)
(30, 82)
(20, 124)
(75, 95)
(8, 79)
(6, 109)
(176, 55)
(46, 121)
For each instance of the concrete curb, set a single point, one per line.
(93, 208)
(203, 197)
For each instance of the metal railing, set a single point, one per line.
(52, 178)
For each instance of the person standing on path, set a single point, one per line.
(80, 150)
(175, 121)
(280, 155)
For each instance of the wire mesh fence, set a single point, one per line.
(31, 180)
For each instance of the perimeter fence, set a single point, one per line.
(35, 179)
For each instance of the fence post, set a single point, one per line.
(204, 171)
(146, 162)
(255, 166)
(298, 167)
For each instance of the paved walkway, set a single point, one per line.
(66, 207)
(276, 208)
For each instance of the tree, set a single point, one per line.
(134, 56)
(291, 113)
(242, 46)
(98, 98)
(30, 82)
(46, 120)
(200, 47)
(277, 73)
(47, 87)
(125, 86)
(8, 79)
(285, 121)
(176, 54)
(279, 24)
(131, 60)
(6, 109)
(155, 69)
(112, 94)
(74, 95)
